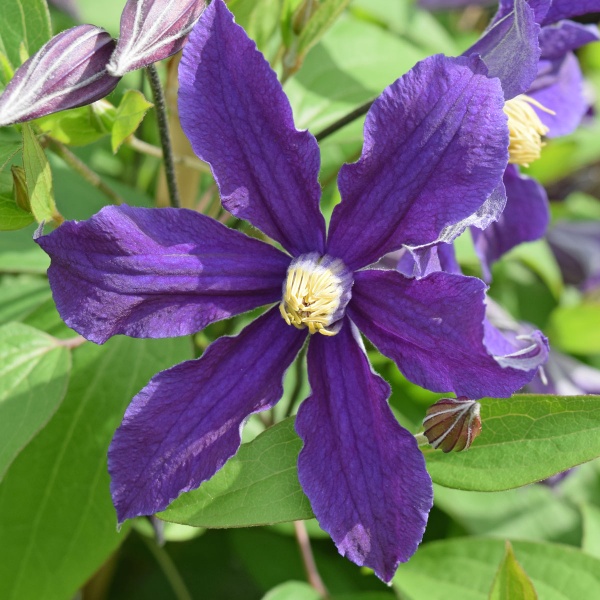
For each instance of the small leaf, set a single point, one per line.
(258, 486)
(524, 439)
(12, 216)
(292, 590)
(511, 582)
(130, 113)
(39, 178)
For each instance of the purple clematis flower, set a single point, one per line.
(435, 148)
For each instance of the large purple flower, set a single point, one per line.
(435, 147)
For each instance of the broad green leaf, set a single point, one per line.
(524, 439)
(293, 590)
(130, 112)
(575, 328)
(258, 486)
(24, 23)
(21, 295)
(57, 522)
(34, 371)
(465, 568)
(12, 216)
(591, 529)
(39, 177)
(511, 582)
(8, 149)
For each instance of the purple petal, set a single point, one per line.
(566, 376)
(419, 262)
(566, 9)
(557, 40)
(433, 329)
(435, 148)
(510, 49)
(540, 9)
(66, 72)
(238, 119)
(152, 30)
(183, 426)
(363, 473)
(157, 272)
(524, 219)
(559, 87)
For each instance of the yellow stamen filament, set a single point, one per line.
(526, 129)
(312, 296)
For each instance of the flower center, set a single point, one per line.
(316, 292)
(526, 129)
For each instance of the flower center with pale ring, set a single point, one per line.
(525, 129)
(316, 291)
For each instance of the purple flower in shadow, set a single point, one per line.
(435, 147)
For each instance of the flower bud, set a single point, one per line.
(452, 424)
(152, 30)
(66, 72)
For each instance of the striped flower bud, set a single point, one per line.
(152, 30)
(66, 72)
(452, 424)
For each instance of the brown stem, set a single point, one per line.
(308, 559)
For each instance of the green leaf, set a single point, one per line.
(260, 20)
(524, 439)
(321, 20)
(465, 568)
(21, 295)
(8, 149)
(130, 114)
(575, 329)
(511, 582)
(23, 22)
(591, 529)
(293, 590)
(12, 216)
(34, 371)
(39, 177)
(20, 254)
(57, 522)
(258, 486)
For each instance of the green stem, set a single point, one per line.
(168, 568)
(163, 130)
(358, 112)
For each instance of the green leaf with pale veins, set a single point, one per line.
(130, 113)
(465, 568)
(511, 582)
(524, 439)
(57, 522)
(258, 486)
(34, 371)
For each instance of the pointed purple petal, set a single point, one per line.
(435, 148)
(419, 262)
(238, 119)
(510, 49)
(557, 40)
(68, 71)
(152, 30)
(363, 473)
(183, 426)
(524, 219)
(157, 272)
(433, 329)
(566, 9)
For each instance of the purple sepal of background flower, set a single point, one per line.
(419, 262)
(510, 49)
(566, 376)
(157, 272)
(435, 148)
(566, 9)
(524, 219)
(364, 474)
(237, 118)
(66, 72)
(433, 329)
(185, 424)
(557, 40)
(152, 30)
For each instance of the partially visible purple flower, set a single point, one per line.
(435, 148)
(152, 30)
(66, 72)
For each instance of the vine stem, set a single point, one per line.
(308, 559)
(358, 112)
(82, 169)
(168, 568)
(163, 130)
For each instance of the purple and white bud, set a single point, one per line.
(152, 30)
(452, 424)
(67, 72)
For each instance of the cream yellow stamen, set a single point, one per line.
(526, 129)
(315, 293)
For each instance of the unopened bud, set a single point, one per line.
(452, 424)
(152, 30)
(68, 71)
